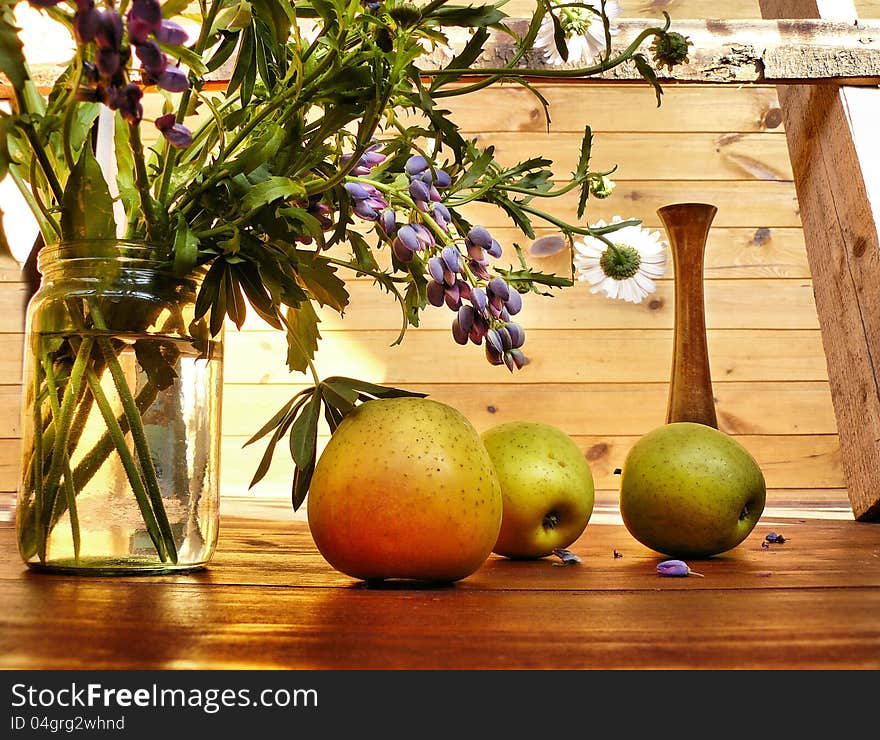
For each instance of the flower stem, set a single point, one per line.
(125, 456)
(137, 431)
(142, 181)
(62, 430)
(69, 491)
(169, 156)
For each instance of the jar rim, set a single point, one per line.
(127, 253)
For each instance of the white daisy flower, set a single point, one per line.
(628, 269)
(584, 34)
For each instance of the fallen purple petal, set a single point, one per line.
(676, 569)
(566, 556)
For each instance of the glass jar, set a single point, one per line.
(120, 416)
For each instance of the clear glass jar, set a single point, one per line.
(120, 416)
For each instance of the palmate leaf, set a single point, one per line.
(320, 278)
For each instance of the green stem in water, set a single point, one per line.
(125, 456)
(137, 431)
(37, 466)
(69, 491)
(62, 431)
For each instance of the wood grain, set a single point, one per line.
(761, 407)
(666, 156)
(787, 461)
(595, 356)
(619, 108)
(270, 601)
(741, 204)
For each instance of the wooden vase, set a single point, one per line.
(690, 386)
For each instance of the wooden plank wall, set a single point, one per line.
(598, 369)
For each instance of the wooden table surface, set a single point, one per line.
(269, 601)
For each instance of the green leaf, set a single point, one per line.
(302, 479)
(209, 289)
(559, 37)
(371, 389)
(7, 126)
(11, 50)
(279, 417)
(583, 170)
(235, 305)
(304, 432)
(86, 205)
(302, 336)
(319, 276)
(171, 8)
(271, 190)
(480, 15)
(187, 57)
(249, 278)
(464, 59)
(186, 247)
(647, 71)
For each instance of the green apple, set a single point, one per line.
(690, 490)
(546, 488)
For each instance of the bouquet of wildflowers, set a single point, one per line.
(328, 128)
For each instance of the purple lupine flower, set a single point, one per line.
(443, 180)
(459, 333)
(516, 333)
(170, 34)
(152, 58)
(451, 259)
(85, 24)
(425, 237)
(178, 135)
(173, 80)
(436, 269)
(479, 300)
(465, 318)
(441, 215)
(479, 236)
(494, 249)
(675, 568)
(419, 193)
(498, 288)
(356, 190)
(775, 538)
(514, 302)
(321, 211)
(127, 101)
(415, 165)
(452, 297)
(138, 30)
(147, 11)
(108, 62)
(495, 356)
(480, 268)
(436, 294)
(479, 329)
(519, 359)
(108, 34)
(388, 222)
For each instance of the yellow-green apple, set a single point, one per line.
(690, 490)
(546, 488)
(405, 489)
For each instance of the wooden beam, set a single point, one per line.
(724, 51)
(788, 51)
(836, 180)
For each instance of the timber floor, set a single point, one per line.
(269, 601)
